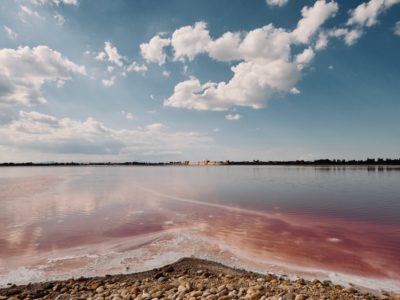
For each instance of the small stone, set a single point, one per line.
(350, 290)
(100, 290)
(63, 297)
(301, 297)
(196, 294)
(301, 281)
(289, 296)
(181, 288)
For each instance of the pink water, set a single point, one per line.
(341, 223)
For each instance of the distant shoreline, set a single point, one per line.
(320, 162)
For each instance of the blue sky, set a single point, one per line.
(191, 80)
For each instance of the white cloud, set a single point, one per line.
(25, 12)
(330, 67)
(252, 83)
(225, 48)
(189, 41)
(313, 18)
(350, 36)
(265, 65)
(264, 71)
(56, 2)
(111, 54)
(397, 28)
(128, 115)
(109, 82)
(135, 67)
(33, 131)
(216, 129)
(267, 43)
(101, 56)
(153, 51)
(322, 41)
(59, 18)
(233, 117)
(110, 69)
(305, 57)
(366, 14)
(156, 127)
(10, 33)
(279, 3)
(23, 72)
(294, 91)
(166, 73)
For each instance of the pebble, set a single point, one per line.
(198, 283)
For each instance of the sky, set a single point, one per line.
(172, 80)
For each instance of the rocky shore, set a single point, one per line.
(188, 278)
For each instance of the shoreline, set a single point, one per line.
(190, 278)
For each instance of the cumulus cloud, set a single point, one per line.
(189, 41)
(253, 82)
(265, 65)
(10, 33)
(233, 117)
(367, 13)
(279, 3)
(225, 48)
(111, 54)
(305, 57)
(23, 72)
(313, 18)
(47, 134)
(153, 51)
(350, 36)
(322, 41)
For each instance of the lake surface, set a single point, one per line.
(341, 223)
